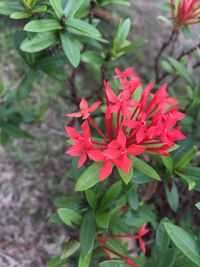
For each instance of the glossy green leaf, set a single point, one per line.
(20, 15)
(168, 163)
(143, 167)
(91, 197)
(89, 178)
(71, 247)
(102, 219)
(162, 238)
(39, 42)
(83, 26)
(84, 260)
(187, 157)
(43, 25)
(184, 242)
(57, 7)
(72, 7)
(111, 195)
(122, 32)
(126, 177)
(69, 217)
(87, 232)
(133, 199)
(172, 197)
(71, 48)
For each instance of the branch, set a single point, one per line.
(160, 52)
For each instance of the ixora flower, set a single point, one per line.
(109, 252)
(185, 12)
(135, 121)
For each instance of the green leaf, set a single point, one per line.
(182, 261)
(126, 177)
(168, 258)
(72, 7)
(168, 162)
(43, 25)
(111, 195)
(91, 198)
(20, 15)
(89, 178)
(184, 147)
(163, 6)
(122, 32)
(84, 260)
(84, 27)
(140, 178)
(166, 66)
(186, 31)
(184, 242)
(133, 199)
(55, 262)
(118, 2)
(187, 157)
(69, 217)
(143, 167)
(71, 247)
(14, 131)
(164, 19)
(72, 202)
(92, 57)
(182, 70)
(56, 5)
(198, 205)
(87, 232)
(132, 47)
(103, 219)
(39, 42)
(7, 8)
(189, 180)
(113, 263)
(162, 238)
(70, 48)
(26, 85)
(172, 197)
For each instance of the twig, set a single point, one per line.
(160, 52)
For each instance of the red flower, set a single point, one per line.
(131, 126)
(185, 12)
(85, 110)
(103, 240)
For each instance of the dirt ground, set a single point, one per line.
(33, 173)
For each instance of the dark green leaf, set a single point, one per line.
(14, 131)
(89, 178)
(88, 232)
(162, 238)
(111, 195)
(56, 5)
(39, 42)
(133, 199)
(143, 167)
(168, 258)
(126, 177)
(186, 158)
(43, 25)
(91, 198)
(69, 217)
(71, 247)
(71, 48)
(103, 219)
(172, 197)
(184, 242)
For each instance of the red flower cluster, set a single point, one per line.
(103, 240)
(185, 12)
(131, 126)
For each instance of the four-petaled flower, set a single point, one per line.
(185, 12)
